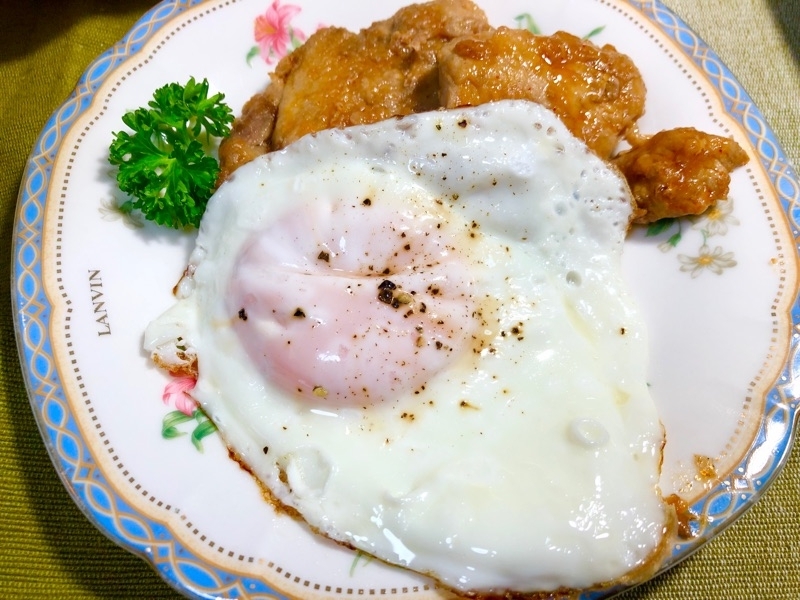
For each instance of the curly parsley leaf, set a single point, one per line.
(164, 164)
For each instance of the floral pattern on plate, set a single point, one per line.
(713, 223)
(274, 34)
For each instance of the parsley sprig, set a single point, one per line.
(164, 164)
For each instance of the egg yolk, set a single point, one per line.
(350, 303)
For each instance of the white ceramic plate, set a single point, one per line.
(718, 293)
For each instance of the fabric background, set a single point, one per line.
(48, 549)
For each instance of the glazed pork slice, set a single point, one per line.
(679, 172)
(386, 70)
(339, 78)
(597, 91)
(252, 129)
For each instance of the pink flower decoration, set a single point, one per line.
(177, 392)
(272, 31)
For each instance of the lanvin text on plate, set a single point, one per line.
(98, 302)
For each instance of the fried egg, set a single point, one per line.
(417, 336)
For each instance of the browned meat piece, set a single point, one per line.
(388, 69)
(679, 172)
(598, 92)
(251, 131)
(339, 78)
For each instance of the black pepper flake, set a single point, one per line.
(324, 256)
(367, 202)
(389, 294)
(462, 123)
(299, 313)
(622, 331)
(243, 314)
(266, 449)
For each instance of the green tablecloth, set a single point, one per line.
(49, 549)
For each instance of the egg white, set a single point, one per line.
(527, 458)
